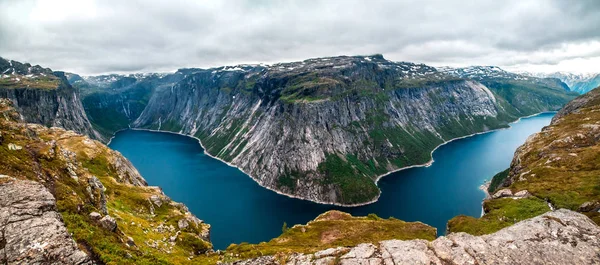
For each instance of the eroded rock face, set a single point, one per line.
(58, 107)
(286, 124)
(558, 237)
(284, 143)
(32, 231)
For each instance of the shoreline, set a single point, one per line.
(427, 164)
(484, 187)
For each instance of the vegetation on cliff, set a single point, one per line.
(333, 229)
(558, 167)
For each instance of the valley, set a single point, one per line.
(244, 132)
(332, 126)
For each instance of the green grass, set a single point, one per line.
(499, 213)
(49, 82)
(351, 177)
(497, 180)
(333, 229)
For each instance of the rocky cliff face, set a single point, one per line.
(64, 186)
(522, 94)
(325, 129)
(558, 237)
(44, 97)
(32, 229)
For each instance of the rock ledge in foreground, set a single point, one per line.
(558, 237)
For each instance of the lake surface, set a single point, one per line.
(239, 210)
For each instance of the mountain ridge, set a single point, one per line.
(230, 108)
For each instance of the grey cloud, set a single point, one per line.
(152, 35)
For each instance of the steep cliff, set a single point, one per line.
(556, 168)
(325, 129)
(44, 97)
(67, 199)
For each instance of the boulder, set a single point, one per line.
(108, 223)
(32, 230)
(522, 194)
(95, 216)
(183, 224)
(156, 200)
(14, 147)
(96, 191)
(130, 242)
(502, 193)
(589, 207)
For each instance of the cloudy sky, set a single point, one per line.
(105, 36)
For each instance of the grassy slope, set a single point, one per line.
(560, 165)
(334, 229)
(48, 82)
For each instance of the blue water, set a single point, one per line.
(239, 210)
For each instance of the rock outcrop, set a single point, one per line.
(558, 237)
(325, 129)
(32, 230)
(44, 97)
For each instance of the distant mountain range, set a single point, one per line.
(580, 83)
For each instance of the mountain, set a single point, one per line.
(325, 129)
(67, 199)
(43, 96)
(580, 83)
